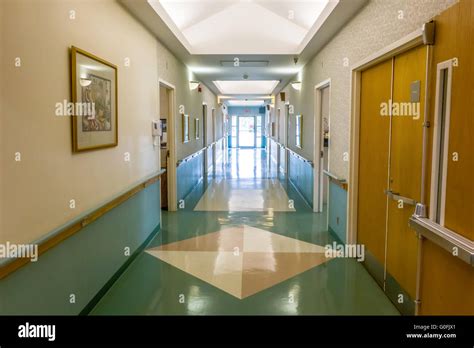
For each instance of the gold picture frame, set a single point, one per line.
(185, 127)
(94, 95)
(299, 131)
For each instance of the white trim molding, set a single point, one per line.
(171, 164)
(439, 154)
(318, 146)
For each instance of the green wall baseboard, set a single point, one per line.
(95, 300)
(82, 265)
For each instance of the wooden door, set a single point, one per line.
(390, 158)
(406, 150)
(373, 159)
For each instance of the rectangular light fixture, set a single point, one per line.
(247, 86)
(246, 102)
(246, 63)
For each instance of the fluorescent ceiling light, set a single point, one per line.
(247, 86)
(245, 63)
(243, 97)
(246, 102)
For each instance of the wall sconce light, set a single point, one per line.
(193, 85)
(296, 85)
(85, 82)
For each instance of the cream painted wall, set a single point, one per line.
(176, 73)
(373, 28)
(38, 189)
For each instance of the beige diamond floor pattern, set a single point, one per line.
(241, 260)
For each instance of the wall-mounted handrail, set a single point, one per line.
(278, 143)
(8, 266)
(190, 157)
(334, 176)
(337, 180)
(451, 241)
(300, 157)
(198, 152)
(214, 143)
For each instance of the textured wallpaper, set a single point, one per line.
(377, 25)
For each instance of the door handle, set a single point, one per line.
(390, 193)
(397, 197)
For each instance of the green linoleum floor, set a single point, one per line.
(150, 286)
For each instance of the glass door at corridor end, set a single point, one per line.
(247, 131)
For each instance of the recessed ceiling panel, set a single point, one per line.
(246, 87)
(243, 27)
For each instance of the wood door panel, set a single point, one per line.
(405, 167)
(447, 283)
(373, 159)
(457, 40)
(402, 247)
(407, 132)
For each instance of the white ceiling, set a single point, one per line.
(246, 87)
(244, 27)
(240, 28)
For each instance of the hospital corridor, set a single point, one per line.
(224, 163)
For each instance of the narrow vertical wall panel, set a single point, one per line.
(373, 159)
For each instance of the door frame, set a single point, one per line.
(278, 124)
(214, 137)
(406, 43)
(438, 152)
(171, 164)
(286, 125)
(204, 138)
(318, 144)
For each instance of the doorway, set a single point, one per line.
(390, 142)
(247, 131)
(321, 147)
(247, 134)
(167, 145)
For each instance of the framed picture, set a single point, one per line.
(94, 97)
(185, 125)
(196, 128)
(299, 131)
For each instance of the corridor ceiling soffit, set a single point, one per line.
(265, 35)
(243, 27)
